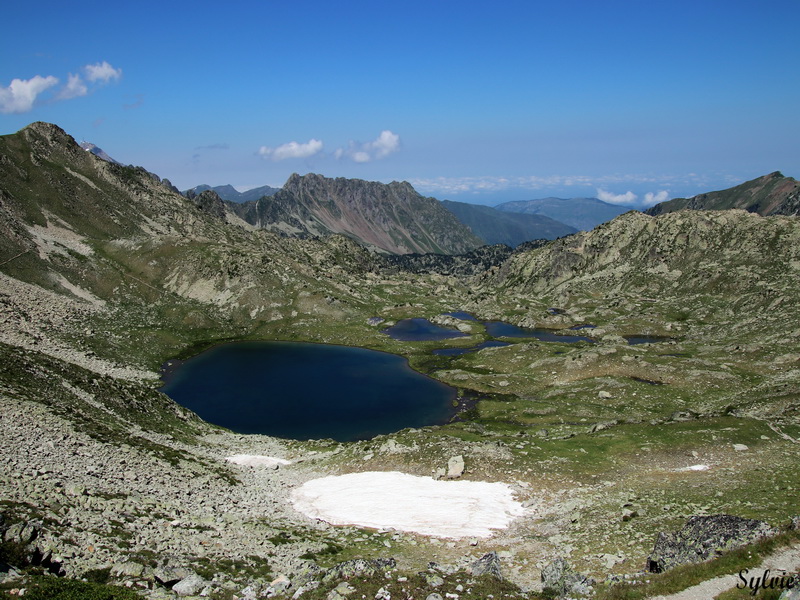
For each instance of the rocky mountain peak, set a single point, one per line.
(210, 202)
(48, 130)
(393, 217)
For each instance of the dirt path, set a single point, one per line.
(786, 559)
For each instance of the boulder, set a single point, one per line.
(488, 564)
(128, 570)
(561, 580)
(455, 467)
(704, 538)
(189, 586)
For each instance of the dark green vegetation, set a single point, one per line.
(53, 588)
(106, 272)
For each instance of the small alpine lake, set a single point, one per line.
(308, 391)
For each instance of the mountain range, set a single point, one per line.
(231, 194)
(496, 227)
(581, 213)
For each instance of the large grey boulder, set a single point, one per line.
(704, 538)
(190, 586)
(561, 580)
(488, 564)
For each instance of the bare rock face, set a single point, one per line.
(704, 538)
(210, 202)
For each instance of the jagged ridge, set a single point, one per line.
(392, 217)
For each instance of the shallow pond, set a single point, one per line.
(308, 391)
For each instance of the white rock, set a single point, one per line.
(455, 467)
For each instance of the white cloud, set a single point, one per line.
(292, 150)
(21, 94)
(75, 88)
(628, 198)
(650, 199)
(102, 72)
(384, 145)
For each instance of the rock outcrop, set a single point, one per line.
(704, 538)
(561, 580)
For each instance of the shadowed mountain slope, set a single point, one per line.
(771, 194)
(496, 227)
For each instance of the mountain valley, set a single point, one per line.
(107, 273)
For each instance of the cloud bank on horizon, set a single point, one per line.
(21, 95)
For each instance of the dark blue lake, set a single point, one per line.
(420, 330)
(503, 329)
(308, 391)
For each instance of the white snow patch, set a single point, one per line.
(257, 460)
(694, 468)
(393, 500)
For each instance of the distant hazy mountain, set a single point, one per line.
(581, 213)
(231, 194)
(771, 194)
(393, 216)
(99, 152)
(496, 227)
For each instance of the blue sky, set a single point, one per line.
(630, 101)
